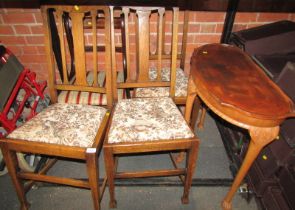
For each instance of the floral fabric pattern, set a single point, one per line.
(63, 124)
(147, 119)
(180, 84)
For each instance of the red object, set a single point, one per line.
(26, 81)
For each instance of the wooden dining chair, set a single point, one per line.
(147, 125)
(164, 55)
(163, 33)
(72, 131)
(84, 97)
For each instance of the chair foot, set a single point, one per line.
(184, 200)
(226, 205)
(25, 206)
(113, 204)
(200, 126)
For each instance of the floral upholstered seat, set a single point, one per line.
(147, 119)
(180, 85)
(63, 124)
(96, 99)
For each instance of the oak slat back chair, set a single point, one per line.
(181, 78)
(147, 125)
(82, 97)
(62, 130)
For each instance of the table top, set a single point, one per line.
(234, 87)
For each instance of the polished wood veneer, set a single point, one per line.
(238, 91)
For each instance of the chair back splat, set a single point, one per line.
(139, 58)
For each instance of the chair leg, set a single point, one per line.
(110, 171)
(195, 112)
(190, 165)
(194, 117)
(93, 174)
(202, 118)
(12, 166)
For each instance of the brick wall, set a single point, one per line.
(21, 31)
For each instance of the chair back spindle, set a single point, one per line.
(87, 62)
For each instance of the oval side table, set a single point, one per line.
(238, 91)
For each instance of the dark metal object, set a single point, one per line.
(2, 165)
(68, 30)
(229, 20)
(41, 164)
(162, 182)
(56, 43)
(128, 95)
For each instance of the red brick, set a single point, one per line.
(44, 67)
(219, 28)
(12, 40)
(192, 16)
(131, 28)
(15, 18)
(35, 39)
(16, 50)
(194, 28)
(168, 27)
(37, 29)
(6, 30)
(181, 16)
(38, 17)
(242, 17)
(208, 28)
(31, 10)
(22, 29)
(41, 50)
(190, 38)
(13, 10)
(154, 17)
(153, 27)
(30, 50)
(238, 27)
(118, 39)
(41, 74)
(33, 58)
(207, 38)
(168, 16)
(100, 39)
(270, 17)
(168, 39)
(33, 67)
(209, 16)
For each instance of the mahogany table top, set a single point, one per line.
(231, 84)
